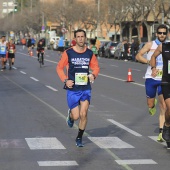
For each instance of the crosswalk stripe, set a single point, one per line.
(12, 143)
(57, 163)
(44, 143)
(110, 142)
(136, 161)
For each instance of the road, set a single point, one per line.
(120, 134)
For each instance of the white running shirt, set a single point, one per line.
(159, 63)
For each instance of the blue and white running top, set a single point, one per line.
(159, 62)
(3, 47)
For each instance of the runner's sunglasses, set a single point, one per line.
(164, 33)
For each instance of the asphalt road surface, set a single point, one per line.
(120, 134)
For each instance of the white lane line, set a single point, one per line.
(44, 143)
(36, 58)
(135, 162)
(14, 68)
(57, 163)
(135, 69)
(23, 72)
(124, 127)
(110, 142)
(120, 79)
(155, 139)
(47, 56)
(52, 88)
(114, 65)
(34, 79)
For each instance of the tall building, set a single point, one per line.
(7, 6)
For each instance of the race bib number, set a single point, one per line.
(2, 49)
(11, 51)
(159, 75)
(81, 78)
(168, 66)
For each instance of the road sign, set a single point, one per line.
(63, 30)
(49, 23)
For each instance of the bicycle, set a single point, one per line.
(41, 53)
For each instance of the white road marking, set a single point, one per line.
(47, 56)
(14, 68)
(120, 79)
(135, 69)
(111, 153)
(36, 58)
(23, 72)
(114, 65)
(34, 79)
(44, 143)
(12, 143)
(155, 139)
(52, 88)
(110, 142)
(57, 163)
(135, 162)
(124, 127)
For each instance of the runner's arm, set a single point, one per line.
(144, 50)
(60, 67)
(94, 66)
(155, 55)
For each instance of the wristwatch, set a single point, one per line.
(65, 81)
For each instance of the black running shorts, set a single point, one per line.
(166, 90)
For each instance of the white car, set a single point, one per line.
(53, 39)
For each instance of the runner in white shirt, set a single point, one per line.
(153, 84)
(3, 50)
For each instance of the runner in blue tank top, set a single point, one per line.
(78, 60)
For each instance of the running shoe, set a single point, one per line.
(152, 111)
(79, 142)
(160, 139)
(69, 121)
(166, 133)
(168, 145)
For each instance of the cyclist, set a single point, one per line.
(40, 50)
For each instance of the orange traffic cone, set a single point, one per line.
(129, 77)
(31, 53)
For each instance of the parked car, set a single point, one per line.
(110, 49)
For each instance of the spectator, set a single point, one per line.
(134, 49)
(125, 49)
(61, 45)
(93, 46)
(73, 43)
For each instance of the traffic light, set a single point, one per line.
(15, 6)
(15, 9)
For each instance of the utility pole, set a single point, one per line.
(98, 17)
(31, 5)
(21, 6)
